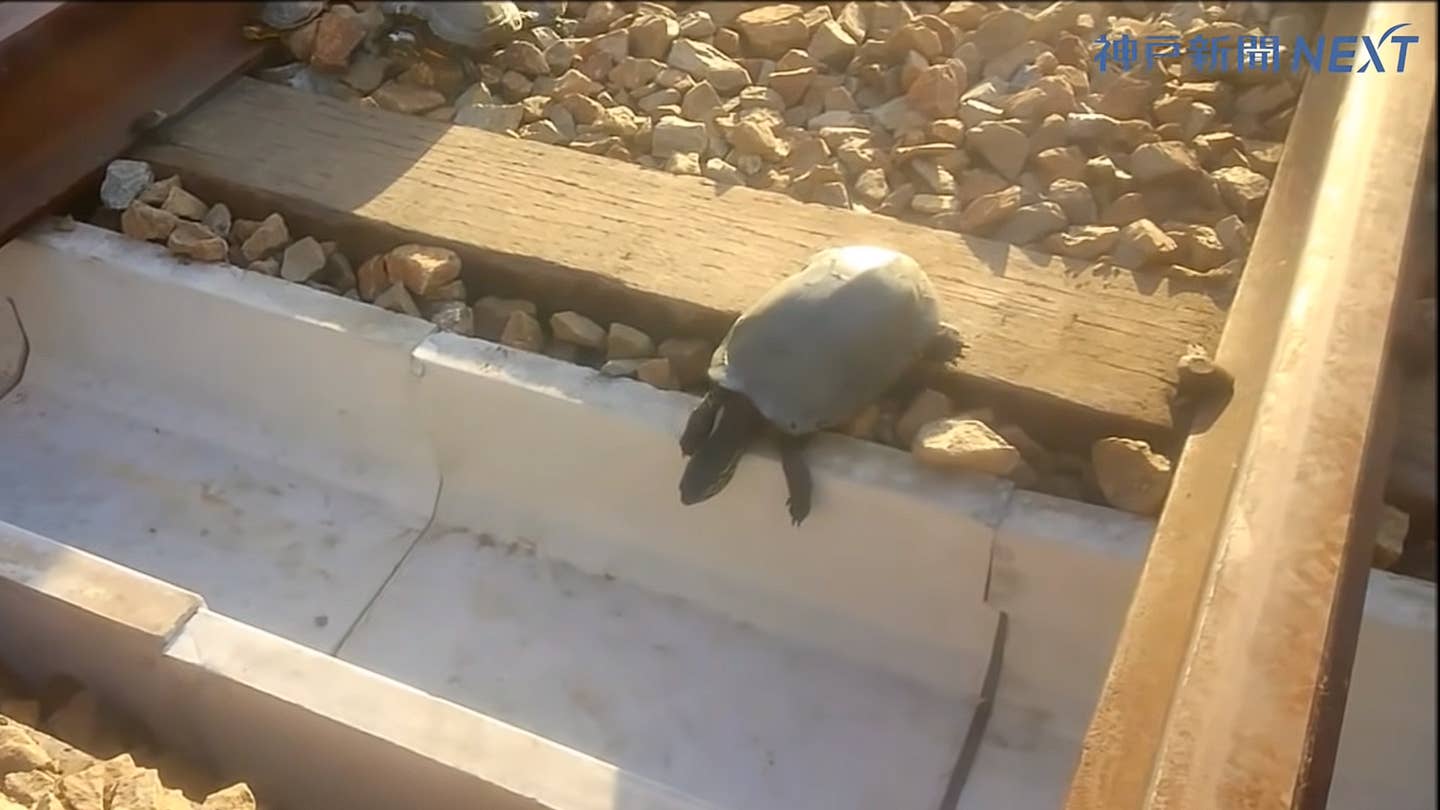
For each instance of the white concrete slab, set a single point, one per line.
(237, 436)
(1388, 742)
(565, 589)
(262, 542)
(657, 686)
(1064, 572)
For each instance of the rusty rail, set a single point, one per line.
(1229, 679)
(77, 76)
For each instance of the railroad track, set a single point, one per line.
(1229, 675)
(71, 116)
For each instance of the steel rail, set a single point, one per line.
(1228, 681)
(76, 77)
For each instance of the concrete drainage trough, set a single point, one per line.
(370, 565)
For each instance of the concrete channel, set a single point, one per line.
(372, 565)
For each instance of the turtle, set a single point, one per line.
(406, 43)
(479, 25)
(853, 324)
(279, 18)
(542, 12)
(446, 36)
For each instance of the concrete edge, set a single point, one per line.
(271, 295)
(1052, 555)
(267, 701)
(121, 596)
(973, 496)
(302, 728)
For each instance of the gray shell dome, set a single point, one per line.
(829, 340)
(284, 16)
(477, 24)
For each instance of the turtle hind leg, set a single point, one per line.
(797, 476)
(909, 383)
(701, 422)
(717, 454)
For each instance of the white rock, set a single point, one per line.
(964, 444)
(674, 135)
(707, 62)
(1154, 161)
(124, 180)
(302, 260)
(1131, 476)
(1004, 147)
(491, 117)
(722, 172)
(927, 406)
(1390, 536)
(624, 342)
(1032, 222)
(572, 327)
(687, 163)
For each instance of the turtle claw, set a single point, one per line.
(797, 516)
(797, 477)
(947, 345)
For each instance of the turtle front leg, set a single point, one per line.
(797, 476)
(700, 423)
(946, 345)
(911, 381)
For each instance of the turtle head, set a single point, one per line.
(713, 463)
(946, 345)
(704, 475)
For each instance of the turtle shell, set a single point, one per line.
(542, 12)
(824, 343)
(478, 24)
(285, 16)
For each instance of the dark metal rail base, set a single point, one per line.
(77, 77)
